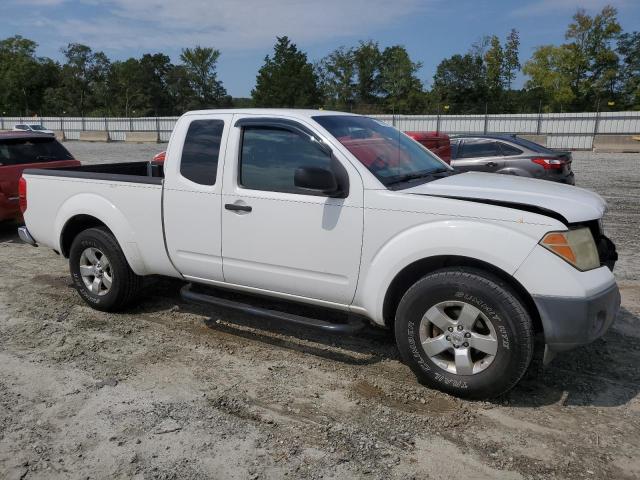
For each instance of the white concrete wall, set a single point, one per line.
(563, 130)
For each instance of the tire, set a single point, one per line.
(493, 318)
(112, 285)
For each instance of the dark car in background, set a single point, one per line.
(510, 154)
(20, 150)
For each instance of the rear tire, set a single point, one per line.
(100, 271)
(465, 332)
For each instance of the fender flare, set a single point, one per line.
(494, 244)
(106, 212)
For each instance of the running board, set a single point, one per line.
(352, 325)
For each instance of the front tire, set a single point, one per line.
(465, 332)
(100, 271)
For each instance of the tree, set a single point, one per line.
(24, 77)
(460, 81)
(368, 58)
(200, 64)
(398, 82)
(549, 74)
(179, 89)
(494, 61)
(336, 73)
(583, 70)
(479, 47)
(154, 72)
(83, 86)
(287, 79)
(511, 61)
(629, 50)
(127, 88)
(593, 60)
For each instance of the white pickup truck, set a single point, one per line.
(271, 211)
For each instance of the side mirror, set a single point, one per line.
(317, 180)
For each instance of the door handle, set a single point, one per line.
(492, 164)
(234, 207)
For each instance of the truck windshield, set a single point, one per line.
(389, 154)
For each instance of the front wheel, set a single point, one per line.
(465, 332)
(100, 271)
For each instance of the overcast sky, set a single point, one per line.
(245, 30)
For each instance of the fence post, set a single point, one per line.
(83, 124)
(130, 124)
(438, 120)
(486, 119)
(106, 127)
(62, 126)
(157, 130)
(597, 123)
(539, 126)
(2, 123)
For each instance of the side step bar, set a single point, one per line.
(352, 325)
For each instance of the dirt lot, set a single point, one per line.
(170, 390)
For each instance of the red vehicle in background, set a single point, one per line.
(159, 158)
(20, 150)
(437, 142)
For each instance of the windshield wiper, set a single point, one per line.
(414, 176)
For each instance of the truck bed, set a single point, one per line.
(126, 197)
(137, 172)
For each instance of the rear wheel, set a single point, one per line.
(465, 332)
(100, 271)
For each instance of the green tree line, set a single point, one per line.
(597, 67)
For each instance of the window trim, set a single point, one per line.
(304, 132)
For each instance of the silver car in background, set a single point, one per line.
(511, 155)
(32, 128)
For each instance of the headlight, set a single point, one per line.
(575, 246)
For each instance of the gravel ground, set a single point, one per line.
(170, 390)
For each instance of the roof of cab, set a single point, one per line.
(288, 112)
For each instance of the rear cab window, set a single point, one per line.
(200, 151)
(17, 151)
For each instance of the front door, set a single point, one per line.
(278, 237)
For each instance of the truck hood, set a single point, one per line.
(573, 204)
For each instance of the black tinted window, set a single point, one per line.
(455, 144)
(32, 150)
(200, 151)
(509, 150)
(480, 148)
(270, 157)
(536, 147)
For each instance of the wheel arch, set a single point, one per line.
(74, 226)
(413, 272)
(82, 221)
